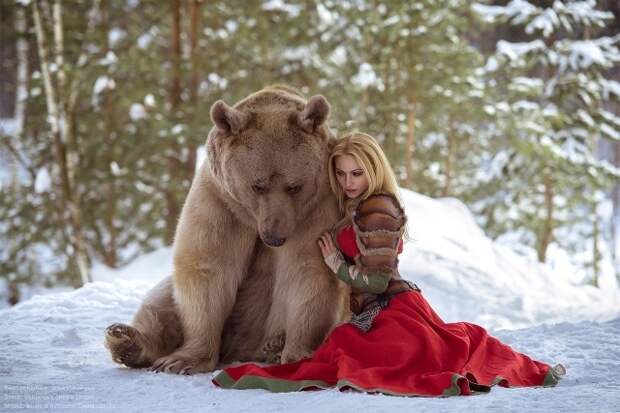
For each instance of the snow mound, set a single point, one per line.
(467, 276)
(149, 268)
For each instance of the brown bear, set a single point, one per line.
(247, 269)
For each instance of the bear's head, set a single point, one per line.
(269, 154)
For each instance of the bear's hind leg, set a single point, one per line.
(126, 346)
(156, 330)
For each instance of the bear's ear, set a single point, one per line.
(228, 119)
(314, 114)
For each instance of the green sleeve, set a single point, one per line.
(374, 283)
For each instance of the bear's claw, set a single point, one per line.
(179, 364)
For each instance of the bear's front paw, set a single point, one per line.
(181, 364)
(272, 349)
(293, 355)
(125, 345)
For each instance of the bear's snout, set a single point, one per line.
(274, 228)
(273, 241)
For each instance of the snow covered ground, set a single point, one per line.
(52, 354)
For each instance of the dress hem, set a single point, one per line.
(460, 384)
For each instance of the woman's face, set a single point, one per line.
(351, 176)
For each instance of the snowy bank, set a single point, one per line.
(467, 276)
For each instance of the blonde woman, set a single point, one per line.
(395, 343)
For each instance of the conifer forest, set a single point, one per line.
(510, 106)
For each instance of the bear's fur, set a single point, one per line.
(247, 269)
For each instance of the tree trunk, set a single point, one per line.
(361, 116)
(447, 187)
(110, 251)
(615, 216)
(194, 76)
(70, 139)
(596, 230)
(14, 294)
(174, 98)
(410, 141)
(596, 251)
(175, 43)
(21, 94)
(193, 44)
(62, 130)
(547, 232)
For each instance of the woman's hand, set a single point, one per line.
(331, 255)
(326, 244)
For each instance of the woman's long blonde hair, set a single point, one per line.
(371, 158)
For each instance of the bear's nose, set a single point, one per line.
(274, 241)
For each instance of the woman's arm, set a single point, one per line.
(374, 282)
(378, 222)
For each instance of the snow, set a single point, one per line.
(518, 10)
(610, 132)
(43, 181)
(560, 14)
(585, 53)
(102, 83)
(610, 87)
(219, 81)
(116, 35)
(177, 129)
(296, 53)
(201, 156)
(279, 5)
(458, 266)
(144, 40)
(527, 83)
(53, 355)
(149, 100)
(366, 76)
(544, 22)
(514, 51)
(326, 16)
(109, 59)
(8, 126)
(584, 12)
(137, 111)
(115, 168)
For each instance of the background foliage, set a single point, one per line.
(511, 106)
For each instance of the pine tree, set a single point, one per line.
(414, 84)
(551, 113)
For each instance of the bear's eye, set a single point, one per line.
(292, 190)
(259, 189)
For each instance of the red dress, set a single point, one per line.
(409, 351)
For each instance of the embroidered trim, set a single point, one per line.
(365, 319)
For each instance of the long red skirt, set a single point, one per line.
(409, 351)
